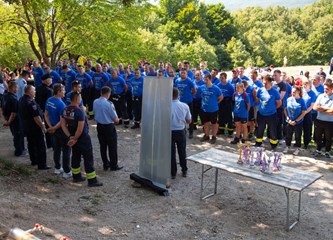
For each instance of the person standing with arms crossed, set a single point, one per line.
(180, 115)
(106, 117)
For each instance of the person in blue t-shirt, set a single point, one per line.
(252, 93)
(235, 79)
(137, 87)
(190, 74)
(54, 108)
(118, 97)
(186, 91)
(54, 75)
(151, 71)
(309, 98)
(99, 80)
(198, 81)
(129, 93)
(214, 73)
(203, 70)
(84, 78)
(68, 76)
(241, 112)
(211, 97)
(76, 87)
(37, 72)
(270, 100)
(226, 106)
(294, 112)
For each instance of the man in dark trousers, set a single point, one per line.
(106, 117)
(44, 92)
(34, 128)
(75, 126)
(180, 115)
(12, 118)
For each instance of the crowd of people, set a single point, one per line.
(51, 107)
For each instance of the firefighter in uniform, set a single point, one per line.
(34, 128)
(75, 126)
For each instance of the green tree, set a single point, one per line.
(219, 22)
(237, 52)
(54, 27)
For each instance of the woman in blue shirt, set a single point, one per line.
(294, 113)
(241, 112)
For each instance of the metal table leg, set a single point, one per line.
(289, 226)
(202, 182)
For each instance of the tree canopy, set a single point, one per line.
(127, 30)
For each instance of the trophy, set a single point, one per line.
(253, 155)
(269, 167)
(240, 159)
(259, 156)
(277, 161)
(246, 153)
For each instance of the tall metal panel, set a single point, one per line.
(155, 155)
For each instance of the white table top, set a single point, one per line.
(288, 177)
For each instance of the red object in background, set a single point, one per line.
(298, 82)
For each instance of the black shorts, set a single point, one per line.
(242, 120)
(251, 115)
(208, 117)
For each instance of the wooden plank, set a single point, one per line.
(288, 177)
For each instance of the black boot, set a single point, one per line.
(94, 183)
(235, 141)
(78, 178)
(135, 126)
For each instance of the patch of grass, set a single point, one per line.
(53, 180)
(8, 168)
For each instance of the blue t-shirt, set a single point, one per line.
(268, 100)
(288, 93)
(185, 89)
(309, 97)
(55, 107)
(55, 77)
(128, 81)
(68, 99)
(216, 81)
(227, 89)
(152, 74)
(234, 82)
(137, 85)
(190, 74)
(84, 79)
(256, 85)
(197, 85)
(209, 102)
(294, 108)
(249, 92)
(91, 73)
(68, 78)
(240, 106)
(100, 80)
(38, 73)
(117, 85)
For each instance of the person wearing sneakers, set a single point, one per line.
(54, 108)
(211, 97)
(180, 115)
(324, 107)
(241, 112)
(294, 112)
(75, 126)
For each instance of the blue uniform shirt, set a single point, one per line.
(137, 85)
(100, 80)
(216, 81)
(104, 111)
(185, 89)
(309, 97)
(55, 77)
(68, 78)
(38, 73)
(55, 107)
(84, 79)
(268, 100)
(117, 85)
(240, 106)
(234, 82)
(209, 102)
(226, 89)
(249, 92)
(294, 108)
(197, 85)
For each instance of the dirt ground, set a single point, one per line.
(242, 209)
